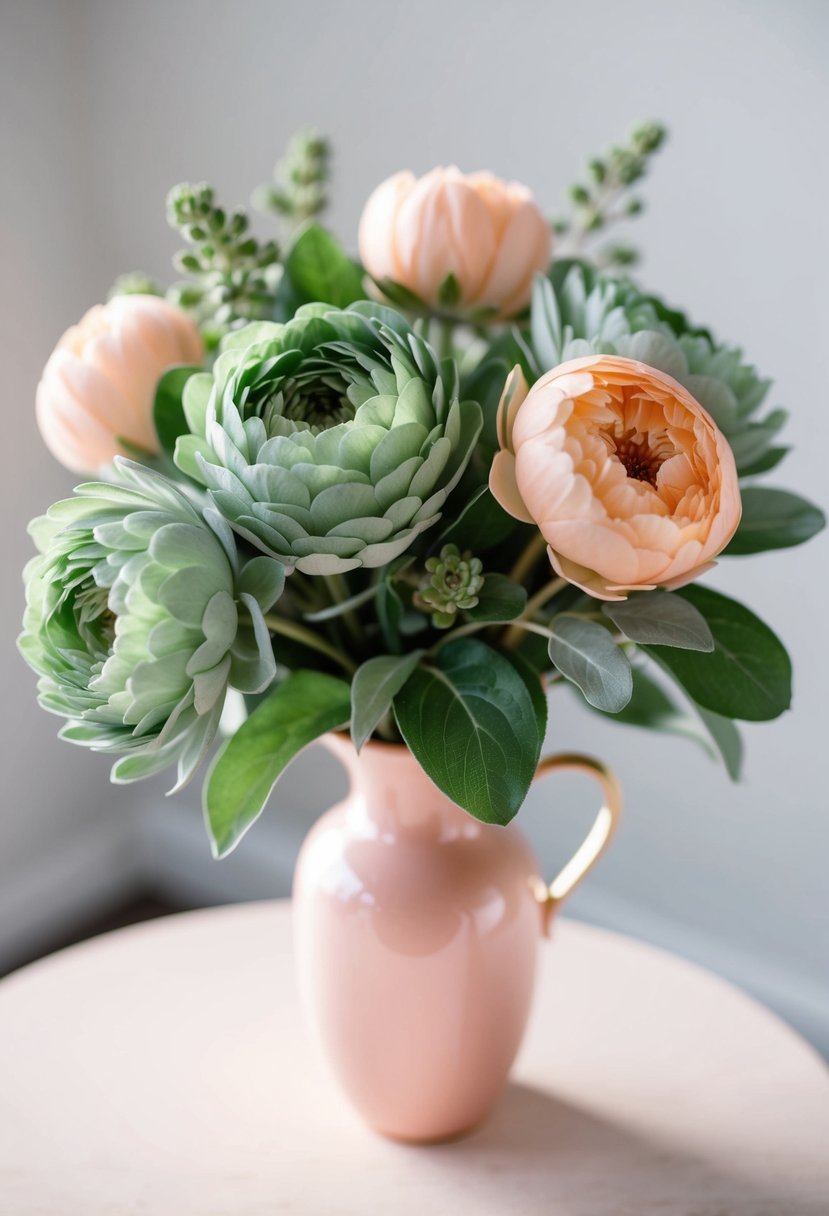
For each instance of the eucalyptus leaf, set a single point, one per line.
(661, 618)
(304, 706)
(585, 653)
(168, 412)
(375, 685)
(774, 519)
(500, 599)
(471, 722)
(748, 673)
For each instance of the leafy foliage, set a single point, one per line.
(473, 724)
(302, 707)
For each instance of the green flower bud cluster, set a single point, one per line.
(604, 198)
(233, 276)
(299, 191)
(452, 586)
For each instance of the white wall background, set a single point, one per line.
(103, 105)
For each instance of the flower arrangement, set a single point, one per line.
(404, 495)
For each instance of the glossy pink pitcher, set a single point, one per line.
(417, 929)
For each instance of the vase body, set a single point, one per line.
(417, 929)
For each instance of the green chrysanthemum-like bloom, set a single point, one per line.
(582, 312)
(330, 442)
(139, 616)
(454, 581)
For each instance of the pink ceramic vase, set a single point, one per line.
(417, 929)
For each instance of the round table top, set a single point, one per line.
(164, 1069)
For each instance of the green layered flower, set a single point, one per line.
(581, 312)
(139, 616)
(330, 442)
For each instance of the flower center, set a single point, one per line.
(96, 620)
(642, 454)
(317, 402)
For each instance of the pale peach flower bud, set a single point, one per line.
(98, 386)
(486, 232)
(628, 478)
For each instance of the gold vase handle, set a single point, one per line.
(596, 840)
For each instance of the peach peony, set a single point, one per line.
(99, 384)
(628, 478)
(486, 232)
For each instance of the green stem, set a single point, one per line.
(290, 629)
(528, 558)
(339, 593)
(443, 331)
(547, 592)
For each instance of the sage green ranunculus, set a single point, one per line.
(332, 441)
(140, 615)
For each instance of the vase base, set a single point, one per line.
(431, 1140)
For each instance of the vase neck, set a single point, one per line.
(391, 795)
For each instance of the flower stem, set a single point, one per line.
(547, 592)
(290, 629)
(339, 594)
(527, 558)
(443, 331)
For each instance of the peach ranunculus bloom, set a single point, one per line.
(629, 480)
(486, 232)
(99, 383)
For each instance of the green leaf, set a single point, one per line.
(774, 519)
(375, 685)
(320, 270)
(747, 675)
(661, 619)
(500, 599)
(650, 708)
(449, 292)
(482, 524)
(401, 297)
(770, 459)
(727, 740)
(585, 653)
(168, 413)
(471, 722)
(304, 706)
(753, 440)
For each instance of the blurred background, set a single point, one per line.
(104, 105)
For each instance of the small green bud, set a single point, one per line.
(579, 195)
(634, 206)
(451, 586)
(649, 137)
(598, 170)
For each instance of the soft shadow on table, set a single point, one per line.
(548, 1156)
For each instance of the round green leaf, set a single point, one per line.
(585, 653)
(661, 618)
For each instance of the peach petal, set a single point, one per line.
(628, 478)
(99, 383)
(488, 233)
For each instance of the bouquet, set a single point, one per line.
(405, 496)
